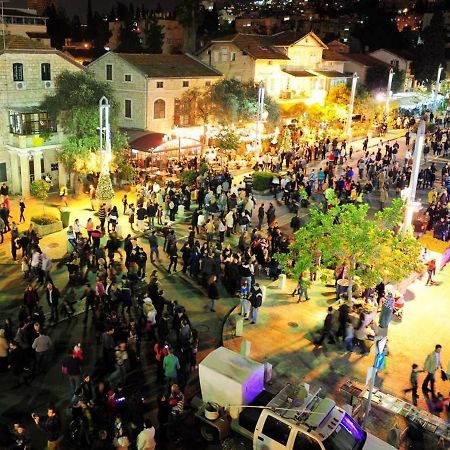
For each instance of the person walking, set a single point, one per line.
(41, 345)
(261, 214)
(256, 298)
(327, 328)
(302, 288)
(22, 210)
(433, 362)
(413, 380)
(53, 297)
(213, 292)
(102, 216)
(171, 366)
(146, 438)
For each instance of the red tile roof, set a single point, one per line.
(169, 66)
(365, 60)
(331, 55)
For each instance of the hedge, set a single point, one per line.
(262, 180)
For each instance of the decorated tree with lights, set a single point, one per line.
(286, 140)
(345, 234)
(105, 190)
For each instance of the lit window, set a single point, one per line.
(159, 109)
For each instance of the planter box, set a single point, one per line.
(265, 192)
(43, 230)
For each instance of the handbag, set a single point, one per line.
(444, 376)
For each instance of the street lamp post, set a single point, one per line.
(410, 202)
(105, 134)
(259, 114)
(388, 93)
(437, 88)
(350, 108)
(377, 364)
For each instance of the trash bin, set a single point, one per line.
(65, 216)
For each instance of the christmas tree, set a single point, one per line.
(286, 141)
(105, 190)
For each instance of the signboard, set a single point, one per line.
(379, 360)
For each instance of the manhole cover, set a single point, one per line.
(293, 324)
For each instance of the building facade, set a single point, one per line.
(291, 66)
(149, 88)
(29, 138)
(26, 23)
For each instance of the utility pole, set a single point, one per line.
(410, 202)
(348, 131)
(437, 88)
(105, 135)
(377, 364)
(388, 93)
(259, 115)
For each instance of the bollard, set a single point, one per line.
(264, 292)
(239, 326)
(245, 348)
(282, 281)
(180, 211)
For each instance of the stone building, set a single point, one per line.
(29, 138)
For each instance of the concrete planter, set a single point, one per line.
(43, 230)
(265, 192)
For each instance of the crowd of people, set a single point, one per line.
(231, 242)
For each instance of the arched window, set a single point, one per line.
(159, 109)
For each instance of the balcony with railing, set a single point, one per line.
(31, 128)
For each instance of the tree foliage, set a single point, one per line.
(130, 42)
(76, 107)
(154, 36)
(237, 101)
(346, 234)
(431, 53)
(189, 14)
(227, 139)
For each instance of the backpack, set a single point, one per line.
(256, 300)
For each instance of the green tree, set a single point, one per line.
(235, 101)
(129, 39)
(75, 105)
(398, 81)
(39, 189)
(189, 14)
(346, 234)
(431, 53)
(154, 36)
(227, 139)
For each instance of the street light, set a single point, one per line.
(178, 135)
(105, 134)
(410, 202)
(350, 107)
(388, 93)
(437, 88)
(259, 114)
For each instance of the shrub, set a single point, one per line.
(188, 177)
(262, 180)
(44, 220)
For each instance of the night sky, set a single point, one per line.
(79, 6)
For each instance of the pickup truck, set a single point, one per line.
(296, 418)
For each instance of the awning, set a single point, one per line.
(331, 74)
(300, 73)
(147, 142)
